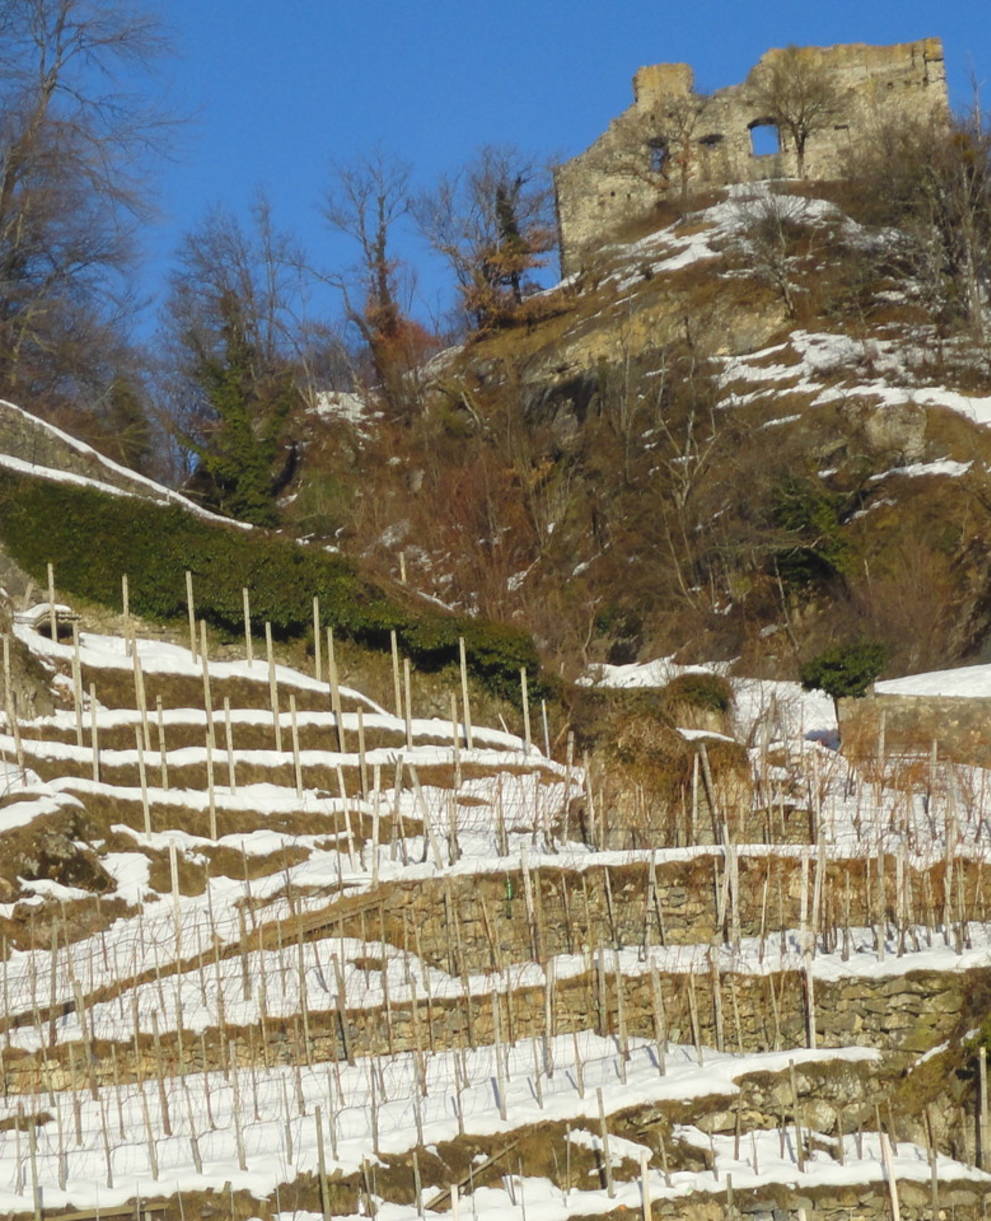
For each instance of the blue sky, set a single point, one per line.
(277, 89)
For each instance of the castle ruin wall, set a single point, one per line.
(672, 139)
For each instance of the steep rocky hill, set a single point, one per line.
(290, 930)
(746, 428)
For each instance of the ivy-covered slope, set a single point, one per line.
(93, 538)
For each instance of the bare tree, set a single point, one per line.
(930, 184)
(671, 153)
(769, 227)
(73, 155)
(231, 332)
(367, 199)
(492, 222)
(680, 122)
(796, 93)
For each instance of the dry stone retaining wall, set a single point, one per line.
(742, 1012)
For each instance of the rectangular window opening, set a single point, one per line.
(765, 139)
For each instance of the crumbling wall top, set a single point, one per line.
(659, 81)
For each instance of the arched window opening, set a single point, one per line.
(765, 139)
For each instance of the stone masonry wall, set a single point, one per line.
(671, 138)
(506, 918)
(960, 727)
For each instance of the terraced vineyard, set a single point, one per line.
(272, 951)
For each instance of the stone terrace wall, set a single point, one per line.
(905, 1015)
(622, 176)
(961, 727)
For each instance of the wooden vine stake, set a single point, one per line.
(645, 1184)
(810, 1004)
(139, 694)
(456, 743)
(525, 696)
(464, 691)
(235, 1078)
(143, 778)
(408, 702)
(52, 617)
(362, 766)
(397, 692)
(660, 1021)
(94, 733)
(125, 610)
(205, 668)
(317, 659)
(604, 1134)
(273, 687)
(163, 754)
(297, 767)
(889, 1174)
(322, 1166)
(693, 1015)
(335, 690)
(174, 883)
(799, 1151)
(229, 746)
(249, 651)
(77, 684)
(191, 613)
(35, 1185)
(933, 1161)
(211, 791)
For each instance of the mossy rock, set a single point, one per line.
(51, 847)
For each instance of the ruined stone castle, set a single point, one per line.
(798, 114)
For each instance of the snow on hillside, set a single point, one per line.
(964, 682)
(336, 937)
(706, 233)
(786, 707)
(346, 407)
(888, 371)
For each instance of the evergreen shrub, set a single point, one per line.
(845, 670)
